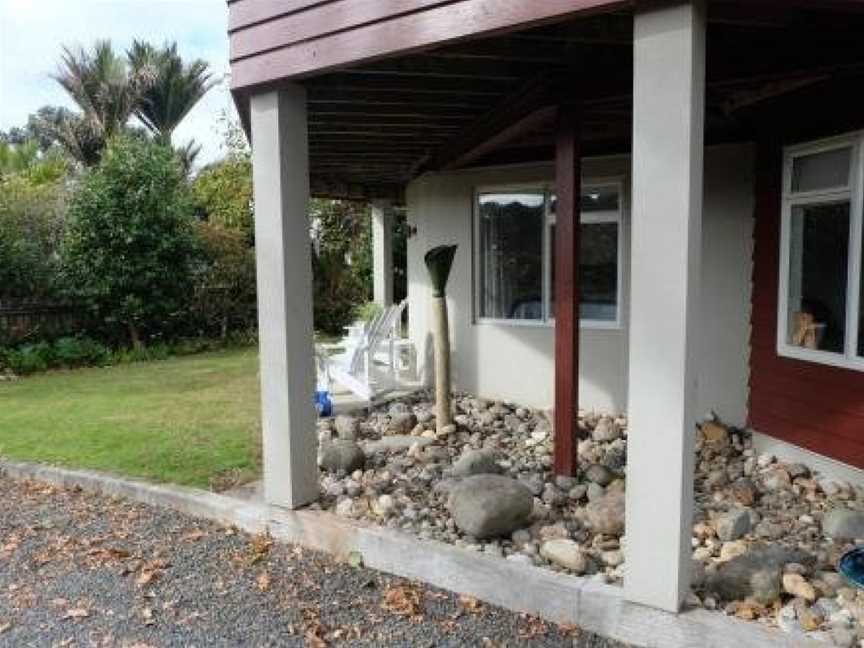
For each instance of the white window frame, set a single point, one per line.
(852, 192)
(548, 189)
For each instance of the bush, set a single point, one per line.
(29, 358)
(72, 352)
(130, 248)
(65, 352)
(31, 227)
(368, 311)
(224, 298)
(223, 193)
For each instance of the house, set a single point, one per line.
(658, 207)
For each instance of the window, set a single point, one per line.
(515, 255)
(820, 298)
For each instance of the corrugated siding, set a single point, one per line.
(278, 39)
(815, 406)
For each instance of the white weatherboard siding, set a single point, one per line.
(515, 361)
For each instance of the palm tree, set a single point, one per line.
(172, 87)
(107, 94)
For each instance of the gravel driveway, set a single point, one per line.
(78, 569)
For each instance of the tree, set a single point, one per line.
(341, 261)
(225, 297)
(171, 88)
(98, 81)
(32, 204)
(223, 194)
(130, 250)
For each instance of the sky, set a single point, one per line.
(33, 31)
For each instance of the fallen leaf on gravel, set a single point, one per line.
(263, 581)
(193, 536)
(404, 600)
(534, 627)
(260, 547)
(76, 613)
(150, 571)
(5, 626)
(470, 603)
(146, 577)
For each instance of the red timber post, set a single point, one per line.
(568, 186)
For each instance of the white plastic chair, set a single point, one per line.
(368, 365)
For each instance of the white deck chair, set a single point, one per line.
(368, 366)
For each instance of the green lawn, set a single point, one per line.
(184, 420)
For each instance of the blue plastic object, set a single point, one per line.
(323, 403)
(851, 566)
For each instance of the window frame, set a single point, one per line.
(853, 192)
(549, 219)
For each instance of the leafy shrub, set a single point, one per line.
(130, 249)
(223, 193)
(368, 311)
(65, 352)
(224, 285)
(72, 352)
(29, 358)
(31, 227)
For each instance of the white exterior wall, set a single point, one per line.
(515, 361)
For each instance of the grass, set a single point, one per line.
(186, 420)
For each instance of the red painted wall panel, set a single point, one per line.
(814, 406)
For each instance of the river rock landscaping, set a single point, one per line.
(767, 535)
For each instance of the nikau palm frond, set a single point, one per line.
(98, 81)
(155, 85)
(171, 88)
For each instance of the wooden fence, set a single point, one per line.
(25, 320)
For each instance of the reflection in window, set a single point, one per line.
(818, 266)
(598, 271)
(511, 255)
(825, 170)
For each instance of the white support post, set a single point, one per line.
(382, 253)
(668, 139)
(280, 162)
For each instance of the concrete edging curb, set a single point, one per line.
(590, 605)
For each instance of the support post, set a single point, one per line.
(382, 253)
(668, 134)
(280, 169)
(568, 186)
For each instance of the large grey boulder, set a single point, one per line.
(756, 574)
(342, 455)
(843, 524)
(486, 506)
(401, 423)
(347, 427)
(606, 514)
(477, 462)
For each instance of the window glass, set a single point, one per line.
(600, 199)
(818, 262)
(598, 271)
(826, 170)
(511, 255)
